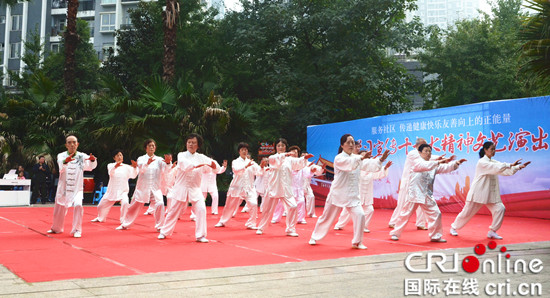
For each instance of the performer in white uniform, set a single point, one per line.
(309, 172)
(403, 189)
(344, 191)
(152, 170)
(366, 192)
(485, 190)
(209, 185)
(420, 188)
(118, 188)
(187, 188)
(279, 187)
(297, 192)
(242, 187)
(70, 189)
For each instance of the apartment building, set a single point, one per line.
(444, 13)
(48, 18)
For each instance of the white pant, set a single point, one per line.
(59, 213)
(215, 199)
(435, 227)
(232, 204)
(199, 209)
(135, 208)
(310, 204)
(471, 208)
(421, 219)
(330, 214)
(345, 217)
(269, 207)
(105, 205)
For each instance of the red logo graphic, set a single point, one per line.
(470, 264)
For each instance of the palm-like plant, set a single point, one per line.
(536, 49)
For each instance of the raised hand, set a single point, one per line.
(92, 157)
(517, 162)
(385, 155)
(134, 163)
(459, 162)
(524, 165)
(167, 158)
(150, 160)
(308, 156)
(118, 164)
(388, 164)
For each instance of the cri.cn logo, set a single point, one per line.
(470, 264)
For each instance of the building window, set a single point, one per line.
(107, 22)
(11, 82)
(107, 2)
(15, 23)
(2, 53)
(107, 49)
(15, 50)
(54, 47)
(2, 19)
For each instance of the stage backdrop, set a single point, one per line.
(518, 127)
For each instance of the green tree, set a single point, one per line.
(536, 43)
(85, 76)
(311, 62)
(475, 60)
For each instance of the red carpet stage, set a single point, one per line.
(35, 256)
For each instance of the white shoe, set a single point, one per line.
(493, 235)
(77, 234)
(453, 232)
(259, 232)
(312, 241)
(202, 240)
(214, 213)
(314, 216)
(394, 238)
(219, 225)
(121, 227)
(51, 232)
(244, 210)
(146, 213)
(440, 240)
(274, 221)
(292, 234)
(95, 220)
(391, 226)
(284, 214)
(161, 236)
(338, 228)
(421, 228)
(251, 228)
(303, 222)
(366, 230)
(358, 246)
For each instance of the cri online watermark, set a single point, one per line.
(470, 286)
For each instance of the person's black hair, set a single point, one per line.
(486, 145)
(243, 145)
(343, 140)
(422, 146)
(284, 141)
(197, 136)
(115, 152)
(146, 143)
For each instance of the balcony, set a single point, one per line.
(82, 5)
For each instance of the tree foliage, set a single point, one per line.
(476, 60)
(311, 62)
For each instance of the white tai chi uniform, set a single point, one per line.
(344, 193)
(485, 190)
(209, 185)
(117, 190)
(242, 188)
(279, 187)
(298, 194)
(403, 190)
(366, 193)
(313, 170)
(261, 185)
(70, 190)
(421, 184)
(187, 188)
(149, 188)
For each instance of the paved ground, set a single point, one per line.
(368, 276)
